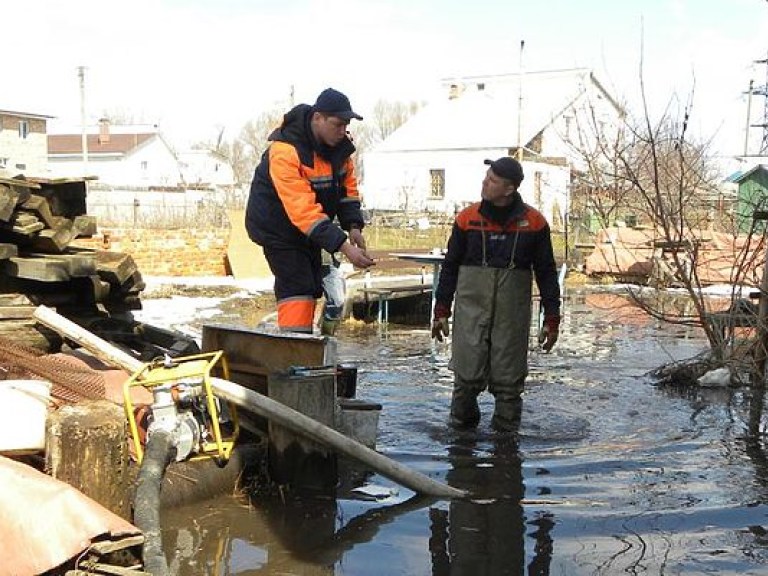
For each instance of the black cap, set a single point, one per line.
(508, 168)
(334, 103)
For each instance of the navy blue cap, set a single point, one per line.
(334, 103)
(508, 168)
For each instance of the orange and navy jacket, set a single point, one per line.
(300, 186)
(521, 229)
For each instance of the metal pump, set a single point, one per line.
(184, 405)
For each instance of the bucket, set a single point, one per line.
(23, 409)
(346, 380)
(359, 420)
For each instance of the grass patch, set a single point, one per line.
(394, 239)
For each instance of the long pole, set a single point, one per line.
(84, 133)
(749, 113)
(520, 105)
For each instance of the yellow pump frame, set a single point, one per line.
(153, 374)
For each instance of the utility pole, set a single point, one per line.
(520, 105)
(84, 134)
(762, 91)
(749, 117)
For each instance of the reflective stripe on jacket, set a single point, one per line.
(300, 186)
(479, 240)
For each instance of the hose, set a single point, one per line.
(159, 452)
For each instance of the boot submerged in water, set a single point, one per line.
(465, 412)
(507, 415)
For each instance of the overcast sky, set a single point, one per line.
(195, 66)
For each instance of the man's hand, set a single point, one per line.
(440, 328)
(549, 332)
(356, 255)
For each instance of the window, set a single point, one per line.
(23, 128)
(3, 162)
(437, 183)
(144, 165)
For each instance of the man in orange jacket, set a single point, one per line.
(305, 179)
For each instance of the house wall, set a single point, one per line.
(23, 155)
(753, 195)
(151, 164)
(202, 167)
(402, 180)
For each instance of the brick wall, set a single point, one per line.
(167, 252)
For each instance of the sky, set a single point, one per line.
(197, 67)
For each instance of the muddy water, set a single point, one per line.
(611, 475)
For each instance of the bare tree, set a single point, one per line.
(655, 170)
(244, 151)
(387, 117)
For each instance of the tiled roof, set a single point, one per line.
(117, 144)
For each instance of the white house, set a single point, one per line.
(205, 168)
(23, 145)
(434, 162)
(135, 155)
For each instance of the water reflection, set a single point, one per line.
(485, 534)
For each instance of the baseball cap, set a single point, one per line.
(334, 103)
(508, 168)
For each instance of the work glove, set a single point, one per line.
(440, 328)
(440, 323)
(549, 332)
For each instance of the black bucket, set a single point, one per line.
(346, 380)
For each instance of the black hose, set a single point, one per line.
(159, 452)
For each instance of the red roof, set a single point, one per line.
(117, 143)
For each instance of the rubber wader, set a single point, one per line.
(491, 325)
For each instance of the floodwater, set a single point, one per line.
(611, 475)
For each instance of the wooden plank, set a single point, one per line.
(8, 201)
(106, 570)
(79, 264)
(109, 546)
(40, 206)
(85, 225)
(41, 269)
(8, 251)
(20, 183)
(55, 240)
(265, 352)
(115, 267)
(16, 312)
(15, 299)
(24, 218)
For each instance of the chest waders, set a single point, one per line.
(492, 318)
